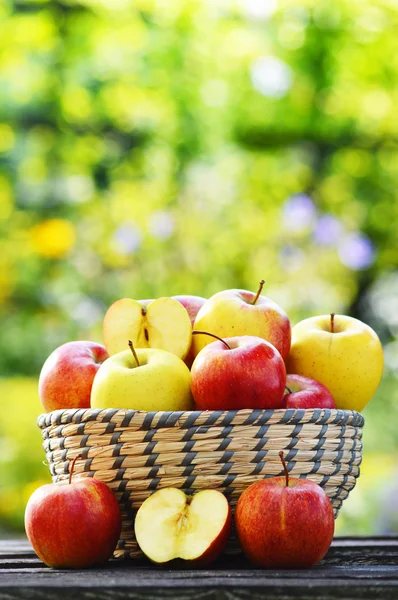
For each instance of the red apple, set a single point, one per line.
(284, 522)
(238, 372)
(304, 392)
(73, 524)
(171, 525)
(240, 312)
(192, 304)
(68, 373)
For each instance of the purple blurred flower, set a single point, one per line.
(298, 212)
(127, 238)
(356, 251)
(327, 230)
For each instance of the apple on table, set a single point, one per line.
(241, 312)
(303, 392)
(67, 375)
(284, 522)
(147, 379)
(171, 525)
(163, 323)
(341, 352)
(74, 524)
(236, 373)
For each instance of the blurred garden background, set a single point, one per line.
(159, 147)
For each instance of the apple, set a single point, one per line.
(303, 392)
(238, 372)
(171, 525)
(240, 312)
(163, 323)
(192, 304)
(284, 522)
(67, 375)
(341, 352)
(73, 524)
(143, 379)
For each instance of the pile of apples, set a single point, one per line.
(235, 350)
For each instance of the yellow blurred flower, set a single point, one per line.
(53, 238)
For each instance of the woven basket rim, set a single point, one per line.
(166, 419)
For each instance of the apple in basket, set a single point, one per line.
(303, 392)
(73, 524)
(236, 373)
(240, 312)
(342, 353)
(143, 379)
(163, 323)
(192, 305)
(171, 525)
(68, 373)
(284, 522)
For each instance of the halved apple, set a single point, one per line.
(171, 525)
(163, 323)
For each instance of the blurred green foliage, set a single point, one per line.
(159, 147)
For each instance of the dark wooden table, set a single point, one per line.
(353, 568)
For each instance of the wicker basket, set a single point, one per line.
(136, 452)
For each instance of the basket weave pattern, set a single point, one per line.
(135, 452)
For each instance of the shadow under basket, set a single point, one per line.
(136, 452)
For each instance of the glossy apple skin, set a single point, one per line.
(307, 393)
(161, 382)
(250, 375)
(192, 305)
(230, 313)
(73, 525)
(67, 375)
(281, 527)
(349, 362)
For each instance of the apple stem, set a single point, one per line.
(288, 389)
(282, 457)
(261, 285)
(332, 315)
(72, 467)
(134, 353)
(212, 335)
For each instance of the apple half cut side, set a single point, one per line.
(163, 323)
(171, 525)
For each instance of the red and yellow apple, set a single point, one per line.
(284, 522)
(192, 305)
(67, 375)
(238, 372)
(303, 392)
(171, 525)
(240, 312)
(341, 352)
(73, 525)
(163, 323)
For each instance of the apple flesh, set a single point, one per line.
(284, 523)
(240, 372)
(73, 525)
(163, 323)
(241, 312)
(192, 305)
(160, 381)
(304, 392)
(341, 352)
(67, 375)
(171, 525)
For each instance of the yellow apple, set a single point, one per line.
(240, 312)
(158, 381)
(341, 352)
(163, 323)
